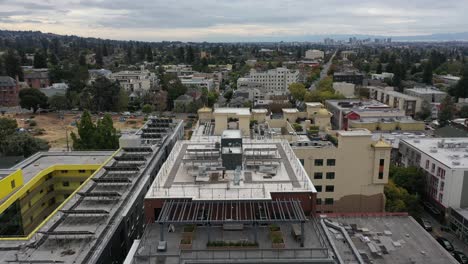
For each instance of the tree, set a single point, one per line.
(464, 111)
(40, 60)
(297, 91)
(105, 94)
(86, 132)
(212, 97)
(326, 84)
(228, 95)
(58, 102)
(447, 110)
(32, 98)
(425, 112)
(8, 126)
(190, 57)
(22, 144)
(399, 200)
(174, 88)
(410, 178)
(13, 65)
(427, 74)
(147, 109)
(379, 68)
(106, 134)
(460, 90)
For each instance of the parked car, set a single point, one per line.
(445, 243)
(460, 257)
(426, 224)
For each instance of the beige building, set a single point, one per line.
(410, 104)
(348, 168)
(349, 176)
(314, 54)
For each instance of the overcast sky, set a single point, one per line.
(233, 20)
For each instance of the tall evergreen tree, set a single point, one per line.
(460, 90)
(86, 132)
(427, 74)
(13, 65)
(447, 111)
(40, 61)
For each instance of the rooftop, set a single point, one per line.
(354, 133)
(197, 170)
(7, 81)
(78, 230)
(236, 111)
(290, 110)
(386, 240)
(452, 152)
(425, 90)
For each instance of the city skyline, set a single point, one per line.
(220, 21)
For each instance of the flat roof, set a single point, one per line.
(425, 90)
(354, 133)
(314, 104)
(452, 152)
(401, 236)
(232, 134)
(290, 110)
(229, 110)
(195, 170)
(259, 111)
(394, 138)
(89, 218)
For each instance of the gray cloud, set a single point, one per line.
(228, 19)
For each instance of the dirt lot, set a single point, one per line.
(52, 128)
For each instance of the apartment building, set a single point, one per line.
(349, 77)
(83, 207)
(355, 113)
(9, 92)
(427, 94)
(275, 81)
(37, 78)
(314, 54)
(445, 164)
(382, 76)
(329, 158)
(137, 83)
(410, 104)
(341, 185)
(199, 83)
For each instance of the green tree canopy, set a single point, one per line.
(12, 64)
(31, 98)
(464, 111)
(101, 135)
(22, 144)
(58, 102)
(40, 60)
(447, 111)
(8, 126)
(297, 91)
(460, 90)
(147, 108)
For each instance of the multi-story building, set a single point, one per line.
(346, 53)
(137, 83)
(349, 77)
(341, 185)
(427, 94)
(84, 210)
(37, 78)
(197, 82)
(345, 89)
(382, 76)
(445, 164)
(9, 92)
(314, 54)
(348, 113)
(410, 104)
(179, 70)
(275, 81)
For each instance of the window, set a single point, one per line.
(380, 175)
(433, 168)
(318, 188)
(302, 161)
(66, 184)
(329, 188)
(318, 175)
(381, 162)
(81, 171)
(318, 162)
(318, 201)
(328, 200)
(442, 185)
(330, 175)
(331, 162)
(13, 184)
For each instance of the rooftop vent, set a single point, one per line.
(433, 150)
(417, 141)
(456, 162)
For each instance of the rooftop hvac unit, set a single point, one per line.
(417, 141)
(456, 162)
(433, 150)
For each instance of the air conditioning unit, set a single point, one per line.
(433, 150)
(456, 162)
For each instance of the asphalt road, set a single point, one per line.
(324, 71)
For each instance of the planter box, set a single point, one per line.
(278, 245)
(185, 246)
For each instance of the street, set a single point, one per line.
(324, 71)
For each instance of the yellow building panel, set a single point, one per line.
(10, 183)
